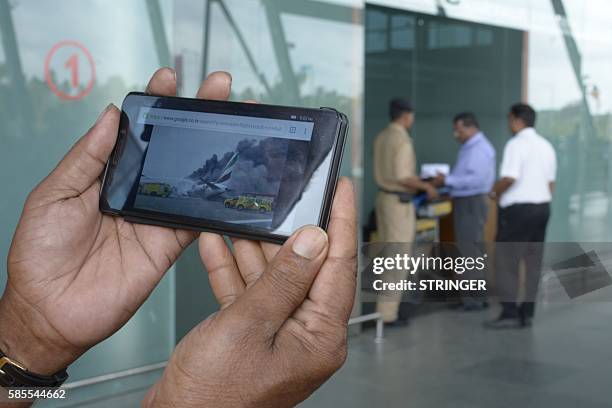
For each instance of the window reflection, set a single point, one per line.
(484, 36)
(376, 31)
(448, 35)
(402, 32)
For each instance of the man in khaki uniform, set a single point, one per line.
(395, 175)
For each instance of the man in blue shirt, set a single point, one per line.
(470, 182)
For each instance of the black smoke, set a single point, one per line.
(258, 170)
(281, 168)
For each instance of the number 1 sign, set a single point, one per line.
(70, 59)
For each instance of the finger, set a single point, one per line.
(342, 227)
(84, 163)
(333, 290)
(270, 250)
(217, 86)
(250, 259)
(223, 274)
(163, 82)
(286, 281)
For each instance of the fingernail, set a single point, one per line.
(101, 115)
(310, 242)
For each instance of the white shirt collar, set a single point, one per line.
(528, 131)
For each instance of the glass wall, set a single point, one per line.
(61, 63)
(291, 52)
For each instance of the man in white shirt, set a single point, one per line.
(524, 192)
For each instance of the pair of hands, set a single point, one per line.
(431, 191)
(76, 276)
(439, 180)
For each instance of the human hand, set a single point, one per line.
(439, 180)
(76, 276)
(431, 191)
(282, 328)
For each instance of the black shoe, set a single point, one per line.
(400, 322)
(525, 313)
(504, 323)
(526, 321)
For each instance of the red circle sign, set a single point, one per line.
(72, 64)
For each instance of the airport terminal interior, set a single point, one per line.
(446, 57)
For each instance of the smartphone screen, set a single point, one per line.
(253, 170)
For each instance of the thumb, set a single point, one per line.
(284, 284)
(84, 163)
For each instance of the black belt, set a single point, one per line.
(404, 196)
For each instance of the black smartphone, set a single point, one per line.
(247, 170)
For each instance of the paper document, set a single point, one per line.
(429, 170)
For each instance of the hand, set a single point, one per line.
(281, 331)
(439, 180)
(76, 276)
(431, 191)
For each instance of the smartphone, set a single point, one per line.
(246, 170)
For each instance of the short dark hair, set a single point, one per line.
(399, 106)
(467, 118)
(525, 113)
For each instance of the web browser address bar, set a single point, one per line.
(287, 129)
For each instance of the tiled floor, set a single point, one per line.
(446, 359)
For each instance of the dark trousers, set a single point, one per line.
(469, 219)
(521, 230)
